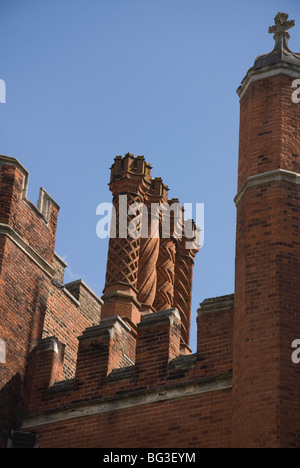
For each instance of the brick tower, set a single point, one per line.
(266, 411)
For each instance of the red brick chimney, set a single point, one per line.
(166, 260)
(150, 246)
(187, 249)
(130, 178)
(143, 271)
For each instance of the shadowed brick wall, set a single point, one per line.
(32, 307)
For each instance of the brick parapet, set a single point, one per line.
(102, 371)
(35, 225)
(215, 335)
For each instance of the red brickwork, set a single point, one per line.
(129, 380)
(186, 251)
(32, 306)
(267, 292)
(269, 128)
(201, 421)
(150, 245)
(215, 335)
(164, 399)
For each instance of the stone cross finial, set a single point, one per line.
(282, 25)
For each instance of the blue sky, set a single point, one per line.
(91, 79)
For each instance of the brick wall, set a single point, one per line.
(163, 399)
(69, 311)
(203, 421)
(215, 335)
(32, 307)
(23, 304)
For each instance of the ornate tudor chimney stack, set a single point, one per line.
(267, 293)
(150, 246)
(153, 271)
(130, 179)
(187, 249)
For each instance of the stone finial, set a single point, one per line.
(280, 56)
(280, 31)
(281, 35)
(282, 25)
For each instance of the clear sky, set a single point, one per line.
(91, 79)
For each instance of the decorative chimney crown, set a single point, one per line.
(128, 165)
(130, 174)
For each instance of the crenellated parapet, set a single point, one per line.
(119, 366)
(34, 225)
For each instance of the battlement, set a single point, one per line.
(36, 225)
(116, 362)
(59, 266)
(215, 333)
(44, 201)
